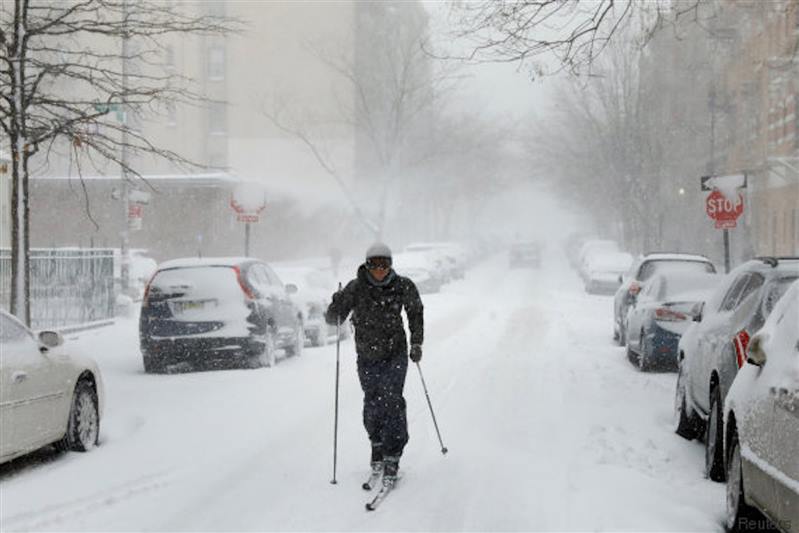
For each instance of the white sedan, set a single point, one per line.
(46, 397)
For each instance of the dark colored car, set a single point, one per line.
(716, 349)
(642, 270)
(525, 254)
(217, 312)
(662, 312)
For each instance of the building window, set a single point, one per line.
(217, 118)
(216, 63)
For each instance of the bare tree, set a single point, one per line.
(65, 68)
(575, 32)
(392, 93)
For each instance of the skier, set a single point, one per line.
(376, 298)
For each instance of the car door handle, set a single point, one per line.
(19, 376)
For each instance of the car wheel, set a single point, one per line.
(622, 334)
(685, 424)
(299, 341)
(83, 427)
(266, 354)
(714, 458)
(739, 514)
(631, 355)
(643, 354)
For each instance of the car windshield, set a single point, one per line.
(672, 265)
(195, 282)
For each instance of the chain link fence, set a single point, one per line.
(68, 285)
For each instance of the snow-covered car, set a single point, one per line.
(761, 424)
(47, 397)
(709, 364)
(420, 269)
(603, 271)
(589, 249)
(525, 253)
(644, 268)
(663, 311)
(446, 258)
(314, 290)
(218, 312)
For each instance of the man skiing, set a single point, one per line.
(376, 298)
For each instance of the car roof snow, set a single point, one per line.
(191, 262)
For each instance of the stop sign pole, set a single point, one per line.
(724, 205)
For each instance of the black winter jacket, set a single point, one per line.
(376, 314)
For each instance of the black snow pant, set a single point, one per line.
(384, 415)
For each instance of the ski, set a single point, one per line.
(379, 497)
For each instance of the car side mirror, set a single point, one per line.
(291, 288)
(621, 278)
(756, 354)
(51, 339)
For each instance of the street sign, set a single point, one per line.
(135, 212)
(722, 210)
(244, 217)
(248, 201)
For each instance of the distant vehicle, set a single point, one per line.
(641, 271)
(761, 426)
(662, 312)
(604, 270)
(590, 248)
(315, 288)
(420, 269)
(525, 253)
(47, 397)
(218, 312)
(448, 256)
(716, 351)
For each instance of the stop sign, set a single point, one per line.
(723, 210)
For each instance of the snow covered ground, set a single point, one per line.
(547, 424)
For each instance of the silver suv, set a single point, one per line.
(713, 350)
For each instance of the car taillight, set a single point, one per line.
(741, 342)
(664, 314)
(146, 294)
(634, 289)
(247, 292)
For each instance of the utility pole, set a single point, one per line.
(124, 250)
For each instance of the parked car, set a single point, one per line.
(525, 253)
(662, 312)
(218, 312)
(716, 349)
(47, 397)
(449, 257)
(314, 290)
(761, 424)
(420, 269)
(604, 270)
(590, 248)
(642, 270)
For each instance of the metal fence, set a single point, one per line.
(68, 285)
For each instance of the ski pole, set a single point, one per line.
(335, 423)
(444, 449)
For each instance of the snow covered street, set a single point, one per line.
(549, 428)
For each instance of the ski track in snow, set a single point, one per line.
(548, 426)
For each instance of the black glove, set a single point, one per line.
(416, 353)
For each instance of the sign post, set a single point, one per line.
(724, 205)
(248, 201)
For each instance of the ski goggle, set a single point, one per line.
(378, 263)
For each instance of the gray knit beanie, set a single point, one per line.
(378, 249)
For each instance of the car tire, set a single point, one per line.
(631, 355)
(685, 424)
(83, 427)
(266, 353)
(644, 360)
(714, 443)
(739, 515)
(295, 348)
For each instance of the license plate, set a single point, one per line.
(179, 307)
